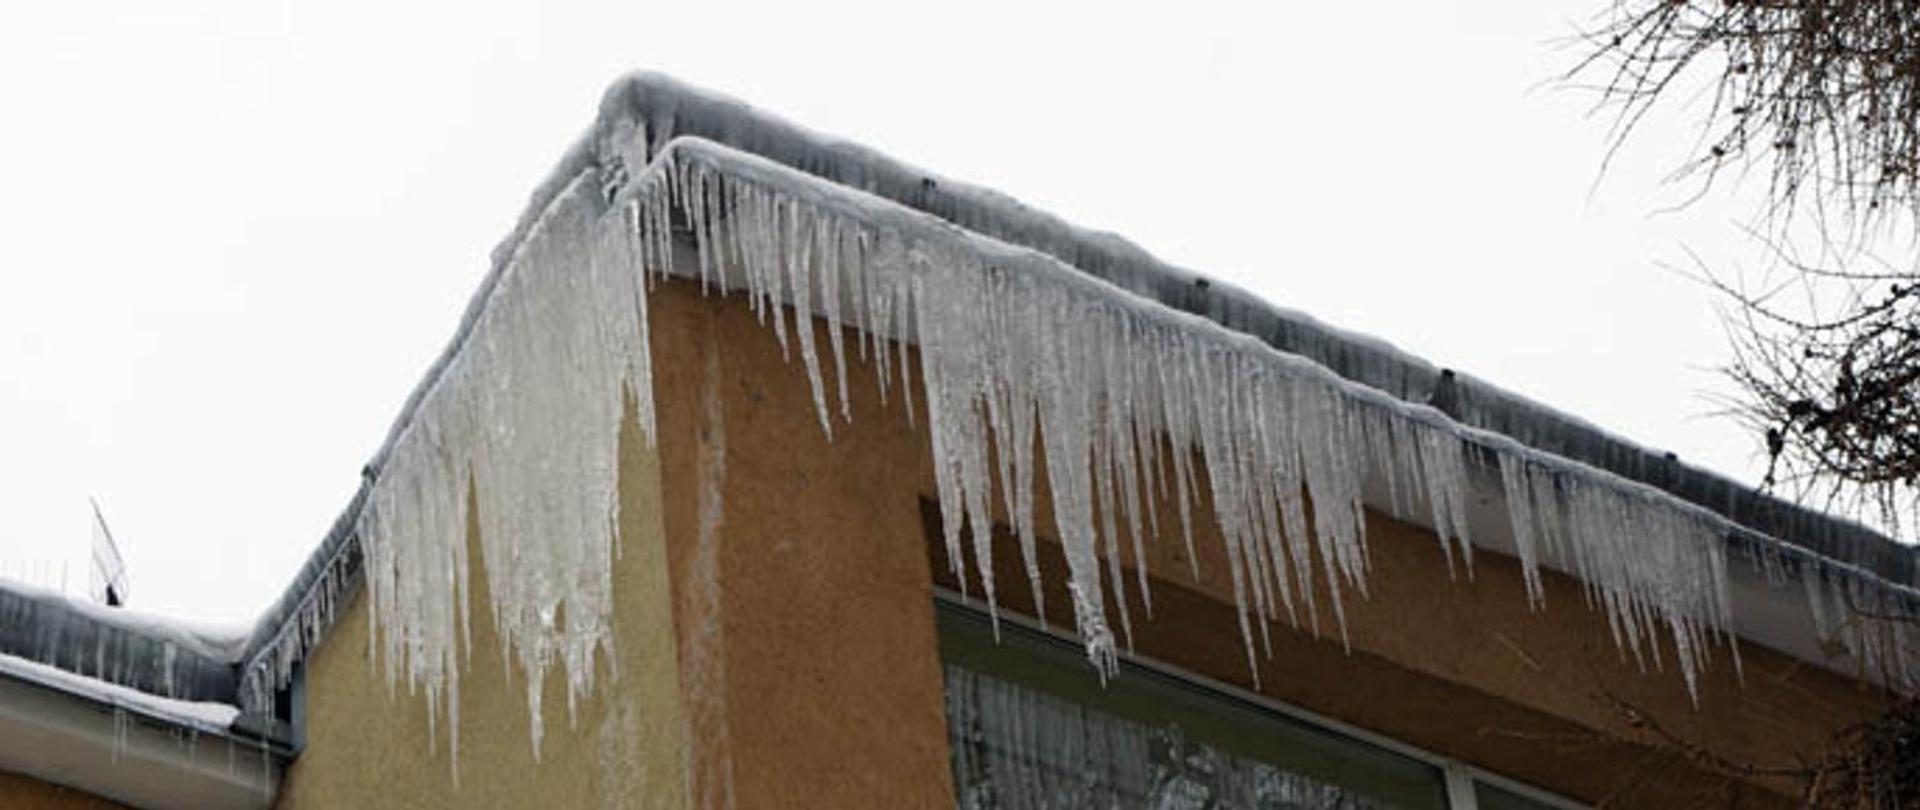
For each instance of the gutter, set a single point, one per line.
(134, 749)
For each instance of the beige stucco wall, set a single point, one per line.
(777, 634)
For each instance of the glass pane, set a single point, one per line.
(1031, 726)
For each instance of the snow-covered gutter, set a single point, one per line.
(131, 706)
(129, 745)
(152, 654)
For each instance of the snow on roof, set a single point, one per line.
(152, 654)
(220, 642)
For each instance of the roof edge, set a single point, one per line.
(644, 111)
(659, 109)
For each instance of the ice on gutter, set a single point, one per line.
(1015, 348)
(130, 746)
(1005, 332)
(836, 229)
(666, 109)
(148, 653)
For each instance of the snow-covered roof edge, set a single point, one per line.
(154, 655)
(649, 110)
(664, 109)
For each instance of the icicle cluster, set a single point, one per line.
(1641, 562)
(1015, 748)
(272, 667)
(522, 426)
(1018, 352)
(1879, 627)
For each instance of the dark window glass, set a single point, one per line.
(1031, 726)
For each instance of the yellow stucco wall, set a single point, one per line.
(776, 626)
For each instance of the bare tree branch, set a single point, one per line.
(1823, 93)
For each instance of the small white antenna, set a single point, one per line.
(108, 580)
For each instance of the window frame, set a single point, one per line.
(1459, 777)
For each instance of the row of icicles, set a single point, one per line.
(1015, 351)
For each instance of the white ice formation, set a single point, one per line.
(1016, 350)
(525, 422)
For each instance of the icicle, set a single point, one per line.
(803, 248)
(1010, 343)
(1016, 351)
(832, 239)
(121, 724)
(564, 332)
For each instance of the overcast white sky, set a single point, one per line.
(236, 234)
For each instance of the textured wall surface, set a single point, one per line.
(824, 689)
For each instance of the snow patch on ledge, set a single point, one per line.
(215, 641)
(195, 715)
(148, 653)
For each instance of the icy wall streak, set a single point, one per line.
(710, 760)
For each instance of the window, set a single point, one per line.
(1030, 727)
